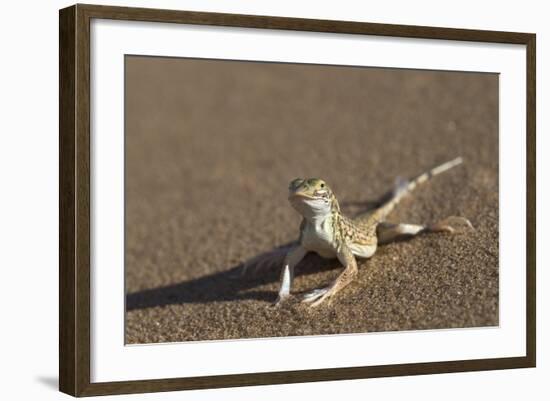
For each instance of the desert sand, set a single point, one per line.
(210, 149)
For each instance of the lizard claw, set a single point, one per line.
(452, 224)
(317, 296)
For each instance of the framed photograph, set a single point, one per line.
(250, 200)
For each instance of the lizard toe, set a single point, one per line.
(314, 295)
(456, 224)
(326, 297)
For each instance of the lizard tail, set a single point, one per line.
(404, 187)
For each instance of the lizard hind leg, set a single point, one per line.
(388, 232)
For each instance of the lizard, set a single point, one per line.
(326, 231)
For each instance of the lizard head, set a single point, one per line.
(311, 197)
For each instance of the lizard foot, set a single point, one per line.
(317, 296)
(452, 224)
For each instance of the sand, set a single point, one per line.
(210, 149)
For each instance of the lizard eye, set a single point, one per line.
(322, 185)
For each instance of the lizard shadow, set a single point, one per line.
(231, 284)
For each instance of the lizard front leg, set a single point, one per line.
(345, 256)
(292, 258)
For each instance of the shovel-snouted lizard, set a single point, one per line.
(326, 231)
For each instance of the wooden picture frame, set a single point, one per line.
(74, 200)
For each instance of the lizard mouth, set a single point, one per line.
(302, 196)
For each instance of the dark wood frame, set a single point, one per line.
(74, 199)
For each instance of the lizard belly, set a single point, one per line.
(319, 239)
